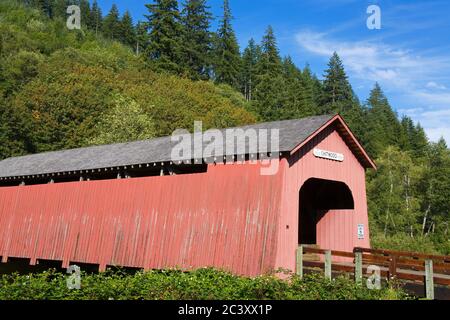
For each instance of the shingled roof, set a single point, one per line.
(292, 134)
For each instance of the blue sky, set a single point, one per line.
(409, 56)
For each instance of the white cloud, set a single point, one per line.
(433, 98)
(375, 61)
(434, 85)
(409, 75)
(434, 134)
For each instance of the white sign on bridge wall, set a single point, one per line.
(360, 231)
(329, 155)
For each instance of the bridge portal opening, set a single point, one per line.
(316, 198)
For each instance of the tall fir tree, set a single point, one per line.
(419, 142)
(270, 89)
(85, 10)
(250, 59)
(311, 89)
(337, 92)
(292, 107)
(127, 32)
(227, 59)
(142, 37)
(165, 48)
(59, 8)
(382, 123)
(407, 128)
(46, 6)
(270, 62)
(197, 39)
(111, 24)
(96, 18)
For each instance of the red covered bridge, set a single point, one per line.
(129, 205)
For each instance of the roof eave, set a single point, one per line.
(364, 157)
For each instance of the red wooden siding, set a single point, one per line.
(231, 217)
(338, 229)
(189, 221)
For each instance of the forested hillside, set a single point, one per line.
(117, 80)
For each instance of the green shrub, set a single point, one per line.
(202, 284)
(432, 244)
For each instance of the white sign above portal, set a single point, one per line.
(329, 155)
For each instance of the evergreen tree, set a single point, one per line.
(436, 190)
(407, 128)
(250, 60)
(419, 142)
(270, 62)
(227, 59)
(46, 6)
(59, 8)
(85, 10)
(293, 97)
(383, 125)
(111, 24)
(95, 19)
(165, 35)
(270, 89)
(127, 32)
(197, 39)
(141, 37)
(337, 92)
(311, 90)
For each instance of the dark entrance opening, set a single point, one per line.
(317, 197)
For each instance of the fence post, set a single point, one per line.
(393, 268)
(429, 283)
(299, 262)
(358, 268)
(328, 264)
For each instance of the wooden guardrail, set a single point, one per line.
(402, 265)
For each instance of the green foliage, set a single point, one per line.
(250, 58)
(165, 35)
(197, 39)
(425, 244)
(127, 32)
(270, 84)
(337, 93)
(408, 200)
(227, 59)
(56, 95)
(125, 121)
(202, 284)
(63, 89)
(383, 123)
(111, 24)
(393, 203)
(96, 18)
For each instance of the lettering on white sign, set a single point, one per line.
(360, 231)
(328, 155)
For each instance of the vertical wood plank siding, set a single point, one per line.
(231, 217)
(337, 230)
(189, 221)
